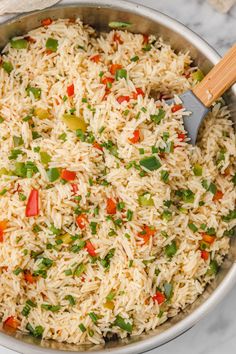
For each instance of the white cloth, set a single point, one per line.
(20, 6)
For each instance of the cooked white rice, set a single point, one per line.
(140, 267)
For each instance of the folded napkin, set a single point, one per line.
(14, 6)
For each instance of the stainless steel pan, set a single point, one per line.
(99, 13)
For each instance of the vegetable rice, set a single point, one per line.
(111, 222)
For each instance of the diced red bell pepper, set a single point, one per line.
(90, 249)
(11, 322)
(111, 206)
(68, 175)
(46, 21)
(81, 221)
(176, 107)
(145, 39)
(121, 99)
(117, 38)
(208, 238)
(29, 278)
(97, 146)
(181, 136)
(204, 255)
(218, 196)
(138, 92)
(96, 58)
(136, 137)
(107, 81)
(159, 297)
(146, 233)
(32, 206)
(70, 90)
(48, 51)
(114, 68)
(3, 226)
(74, 188)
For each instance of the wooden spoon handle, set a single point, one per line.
(218, 80)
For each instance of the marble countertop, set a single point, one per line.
(215, 334)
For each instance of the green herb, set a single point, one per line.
(90, 332)
(186, 195)
(52, 308)
(36, 149)
(93, 317)
(221, 156)
(120, 206)
(127, 236)
(171, 249)
(36, 332)
(197, 170)
(35, 91)
(3, 191)
(7, 66)
(105, 262)
(121, 323)
(27, 118)
(166, 215)
(40, 272)
(205, 184)
(234, 179)
(52, 44)
(203, 245)
(212, 188)
(54, 230)
(31, 303)
(93, 227)
(19, 43)
(110, 296)
(150, 163)
(22, 197)
(45, 157)
(154, 150)
(229, 233)
(201, 203)
(79, 270)
(131, 263)
(46, 263)
(135, 58)
(76, 248)
(119, 24)
(167, 203)
(164, 176)
(211, 231)
(121, 73)
(80, 134)
(68, 272)
(36, 229)
(17, 271)
(147, 47)
(82, 328)
(213, 268)
(203, 226)
(14, 154)
(25, 311)
(126, 112)
(36, 135)
(156, 118)
(1, 120)
(53, 174)
(193, 227)
(62, 137)
(112, 233)
(71, 299)
(230, 216)
(168, 290)
(165, 136)
(141, 151)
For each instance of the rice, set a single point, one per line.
(122, 271)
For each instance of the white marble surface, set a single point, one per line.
(215, 334)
